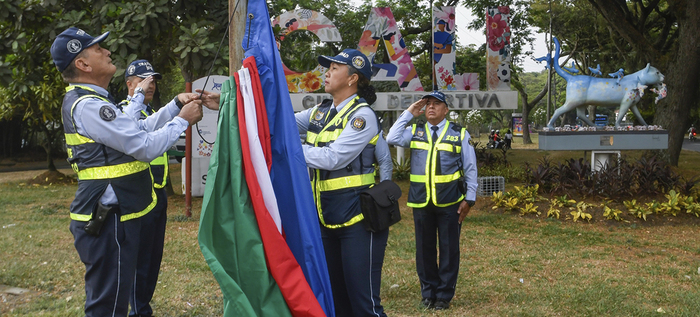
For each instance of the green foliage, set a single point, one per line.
(611, 213)
(646, 177)
(673, 205)
(520, 198)
(553, 212)
(636, 210)
(402, 171)
(563, 201)
(510, 173)
(529, 208)
(580, 212)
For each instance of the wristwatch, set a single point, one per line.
(470, 202)
(139, 90)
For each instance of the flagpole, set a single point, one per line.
(236, 33)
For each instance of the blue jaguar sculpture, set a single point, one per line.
(583, 90)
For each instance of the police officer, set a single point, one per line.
(441, 159)
(107, 150)
(341, 135)
(140, 80)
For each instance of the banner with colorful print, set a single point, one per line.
(316, 23)
(382, 25)
(498, 51)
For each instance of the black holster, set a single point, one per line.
(99, 215)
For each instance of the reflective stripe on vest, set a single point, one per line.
(324, 137)
(112, 171)
(154, 197)
(429, 179)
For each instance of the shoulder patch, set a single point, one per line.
(358, 123)
(107, 113)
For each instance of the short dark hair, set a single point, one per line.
(71, 72)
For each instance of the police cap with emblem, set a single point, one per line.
(142, 69)
(437, 95)
(352, 58)
(70, 43)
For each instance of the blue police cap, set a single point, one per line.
(437, 95)
(70, 43)
(142, 69)
(350, 57)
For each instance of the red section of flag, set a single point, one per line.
(263, 126)
(280, 261)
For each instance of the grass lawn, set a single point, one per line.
(511, 265)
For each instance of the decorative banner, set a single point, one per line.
(467, 81)
(382, 25)
(316, 23)
(498, 50)
(444, 48)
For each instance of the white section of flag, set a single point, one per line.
(256, 152)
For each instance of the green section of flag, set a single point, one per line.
(228, 231)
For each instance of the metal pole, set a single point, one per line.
(549, 72)
(432, 46)
(188, 164)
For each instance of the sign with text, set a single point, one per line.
(396, 101)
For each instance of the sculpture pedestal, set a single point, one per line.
(603, 140)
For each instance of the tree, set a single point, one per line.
(665, 34)
(183, 34)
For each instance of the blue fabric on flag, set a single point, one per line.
(290, 178)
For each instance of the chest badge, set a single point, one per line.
(319, 115)
(419, 134)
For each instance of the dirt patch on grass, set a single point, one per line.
(50, 178)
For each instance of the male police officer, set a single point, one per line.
(140, 80)
(441, 159)
(107, 149)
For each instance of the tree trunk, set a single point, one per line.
(527, 107)
(673, 113)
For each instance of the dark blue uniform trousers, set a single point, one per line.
(355, 257)
(433, 224)
(150, 256)
(110, 264)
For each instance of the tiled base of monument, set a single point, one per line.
(603, 140)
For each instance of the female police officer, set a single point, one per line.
(341, 136)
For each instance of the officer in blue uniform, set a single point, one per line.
(443, 189)
(108, 150)
(341, 138)
(140, 80)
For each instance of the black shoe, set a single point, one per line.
(441, 304)
(427, 302)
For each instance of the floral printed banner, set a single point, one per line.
(317, 23)
(498, 48)
(382, 25)
(444, 67)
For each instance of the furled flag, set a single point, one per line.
(289, 174)
(262, 272)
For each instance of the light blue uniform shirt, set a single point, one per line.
(383, 157)
(401, 135)
(347, 147)
(145, 140)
